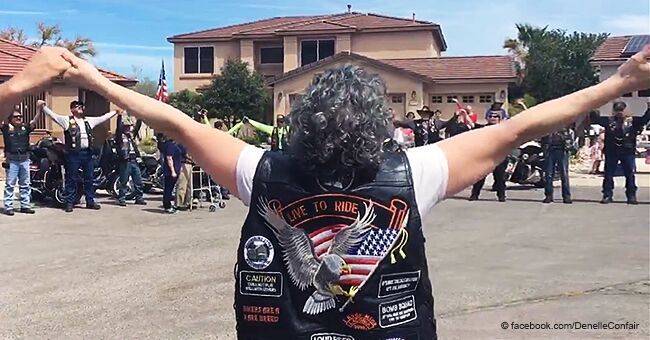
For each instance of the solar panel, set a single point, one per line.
(636, 44)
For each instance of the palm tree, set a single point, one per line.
(81, 46)
(518, 48)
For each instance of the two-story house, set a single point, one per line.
(290, 51)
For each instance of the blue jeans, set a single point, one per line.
(75, 159)
(131, 169)
(18, 171)
(611, 163)
(557, 158)
(170, 183)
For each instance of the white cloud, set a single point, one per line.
(628, 24)
(21, 12)
(134, 47)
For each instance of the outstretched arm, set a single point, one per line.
(42, 68)
(474, 154)
(268, 129)
(215, 151)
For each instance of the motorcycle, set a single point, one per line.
(526, 165)
(150, 169)
(47, 171)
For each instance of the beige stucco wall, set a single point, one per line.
(459, 90)
(397, 83)
(635, 104)
(395, 45)
(222, 51)
(343, 43)
(290, 53)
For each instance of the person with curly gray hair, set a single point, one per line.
(332, 246)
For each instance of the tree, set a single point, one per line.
(553, 63)
(51, 36)
(237, 92)
(559, 64)
(14, 34)
(518, 48)
(145, 85)
(185, 101)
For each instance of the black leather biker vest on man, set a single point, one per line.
(73, 134)
(16, 139)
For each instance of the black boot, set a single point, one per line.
(631, 199)
(548, 199)
(567, 200)
(606, 200)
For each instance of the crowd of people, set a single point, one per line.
(616, 143)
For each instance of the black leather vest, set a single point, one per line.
(16, 139)
(73, 134)
(278, 143)
(620, 135)
(339, 264)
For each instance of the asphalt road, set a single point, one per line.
(127, 273)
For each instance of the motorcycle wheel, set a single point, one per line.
(58, 195)
(130, 193)
(148, 188)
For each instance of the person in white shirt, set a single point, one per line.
(335, 153)
(78, 141)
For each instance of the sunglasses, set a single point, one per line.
(17, 116)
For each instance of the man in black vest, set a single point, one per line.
(499, 172)
(16, 140)
(556, 147)
(129, 156)
(620, 147)
(332, 246)
(78, 131)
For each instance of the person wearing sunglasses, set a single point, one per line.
(15, 133)
(78, 131)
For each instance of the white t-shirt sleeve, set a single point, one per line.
(430, 172)
(246, 166)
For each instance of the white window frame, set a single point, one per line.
(441, 97)
(317, 40)
(199, 58)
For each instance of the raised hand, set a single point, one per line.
(81, 72)
(46, 64)
(635, 73)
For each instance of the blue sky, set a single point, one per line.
(132, 32)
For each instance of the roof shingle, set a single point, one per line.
(443, 69)
(612, 49)
(287, 25)
(14, 57)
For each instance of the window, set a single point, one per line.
(644, 93)
(450, 99)
(272, 55)
(468, 99)
(199, 59)
(397, 99)
(293, 98)
(629, 94)
(315, 50)
(436, 99)
(485, 99)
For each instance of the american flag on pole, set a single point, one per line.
(364, 257)
(161, 93)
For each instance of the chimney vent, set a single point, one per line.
(349, 8)
(413, 16)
